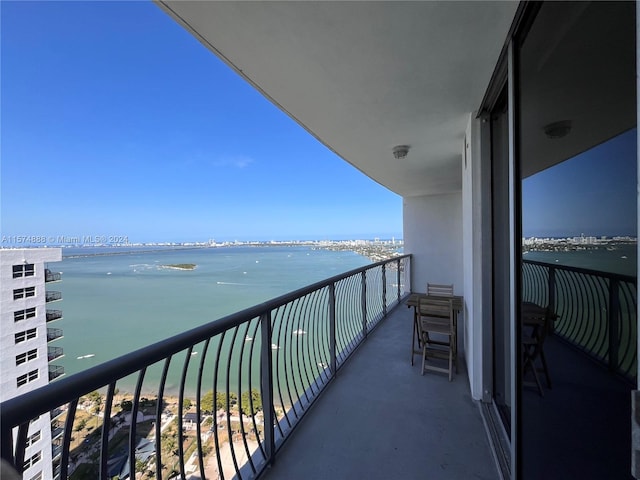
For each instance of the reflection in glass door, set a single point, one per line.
(576, 151)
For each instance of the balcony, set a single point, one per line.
(56, 451)
(50, 276)
(304, 338)
(55, 413)
(53, 314)
(54, 334)
(56, 431)
(53, 296)
(54, 353)
(55, 371)
(56, 472)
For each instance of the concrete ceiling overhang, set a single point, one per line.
(363, 77)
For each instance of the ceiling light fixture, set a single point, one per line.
(400, 151)
(557, 129)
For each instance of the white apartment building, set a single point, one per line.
(25, 350)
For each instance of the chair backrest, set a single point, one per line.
(440, 290)
(435, 308)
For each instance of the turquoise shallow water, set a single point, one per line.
(116, 303)
(113, 304)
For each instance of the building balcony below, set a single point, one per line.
(54, 334)
(56, 452)
(56, 413)
(55, 371)
(54, 352)
(56, 431)
(53, 296)
(53, 315)
(50, 277)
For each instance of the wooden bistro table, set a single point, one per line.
(413, 301)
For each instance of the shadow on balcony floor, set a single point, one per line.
(381, 419)
(581, 428)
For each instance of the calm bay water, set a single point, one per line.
(116, 303)
(622, 259)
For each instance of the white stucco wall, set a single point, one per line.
(433, 234)
(474, 233)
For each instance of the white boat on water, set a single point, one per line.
(82, 357)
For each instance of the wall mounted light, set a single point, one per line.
(557, 129)
(400, 151)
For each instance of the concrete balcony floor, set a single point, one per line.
(381, 419)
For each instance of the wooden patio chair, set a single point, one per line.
(537, 322)
(446, 290)
(436, 317)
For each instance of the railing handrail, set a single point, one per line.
(587, 271)
(73, 386)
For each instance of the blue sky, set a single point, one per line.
(116, 121)
(594, 193)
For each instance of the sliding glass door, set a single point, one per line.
(575, 73)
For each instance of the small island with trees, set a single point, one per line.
(180, 266)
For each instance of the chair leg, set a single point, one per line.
(544, 366)
(455, 351)
(528, 362)
(450, 362)
(415, 337)
(424, 358)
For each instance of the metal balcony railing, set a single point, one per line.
(56, 432)
(54, 352)
(52, 296)
(597, 311)
(54, 333)
(55, 413)
(53, 314)
(50, 276)
(55, 371)
(56, 451)
(251, 376)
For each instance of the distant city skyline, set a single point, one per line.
(118, 122)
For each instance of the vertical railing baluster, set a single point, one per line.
(332, 328)
(363, 301)
(66, 442)
(183, 379)
(551, 296)
(203, 358)
(104, 437)
(614, 312)
(266, 379)
(384, 290)
(159, 408)
(135, 408)
(398, 280)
